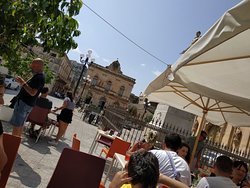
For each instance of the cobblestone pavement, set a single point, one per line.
(36, 162)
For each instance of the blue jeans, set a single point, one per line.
(20, 114)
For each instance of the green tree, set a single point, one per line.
(44, 22)
(22, 67)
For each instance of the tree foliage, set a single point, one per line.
(44, 22)
(22, 67)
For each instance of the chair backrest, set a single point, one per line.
(11, 144)
(118, 146)
(77, 169)
(38, 115)
(76, 143)
(105, 141)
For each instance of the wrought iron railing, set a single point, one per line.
(133, 129)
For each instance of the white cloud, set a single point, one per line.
(143, 65)
(157, 73)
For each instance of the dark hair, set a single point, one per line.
(173, 141)
(187, 157)
(70, 95)
(143, 167)
(239, 164)
(224, 164)
(44, 90)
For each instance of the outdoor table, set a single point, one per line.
(100, 133)
(117, 158)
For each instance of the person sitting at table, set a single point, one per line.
(184, 152)
(171, 164)
(223, 170)
(144, 145)
(142, 171)
(42, 102)
(239, 173)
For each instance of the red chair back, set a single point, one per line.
(11, 144)
(118, 146)
(105, 141)
(76, 143)
(77, 169)
(38, 115)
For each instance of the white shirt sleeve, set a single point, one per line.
(203, 183)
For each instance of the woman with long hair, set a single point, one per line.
(65, 117)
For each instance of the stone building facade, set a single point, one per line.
(237, 138)
(108, 86)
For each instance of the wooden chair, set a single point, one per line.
(76, 143)
(77, 169)
(117, 146)
(39, 116)
(11, 144)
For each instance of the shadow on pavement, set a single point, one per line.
(41, 146)
(25, 173)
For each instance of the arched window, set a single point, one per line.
(121, 91)
(94, 81)
(108, 86)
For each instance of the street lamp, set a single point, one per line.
(84, 62)
(146, 104)
(86, 80)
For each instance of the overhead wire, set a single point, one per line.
(130, 40)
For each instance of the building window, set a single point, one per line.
(108, 86)
(94, 81)
(121, 91)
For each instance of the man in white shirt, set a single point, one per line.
(170, 163)
(222, 169)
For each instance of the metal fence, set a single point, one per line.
(132, 129)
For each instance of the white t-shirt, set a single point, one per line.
(167, 169)
(216, 182)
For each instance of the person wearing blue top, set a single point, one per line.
(65, 117)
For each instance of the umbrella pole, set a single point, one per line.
(203, 120)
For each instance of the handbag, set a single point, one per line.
(13, 101)
(6, 113)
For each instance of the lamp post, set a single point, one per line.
(86, 79)
(84, 62)
(146, 104)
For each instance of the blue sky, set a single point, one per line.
(162, 27)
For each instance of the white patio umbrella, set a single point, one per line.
(214, 74)
(212, 110)
(218, 64)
